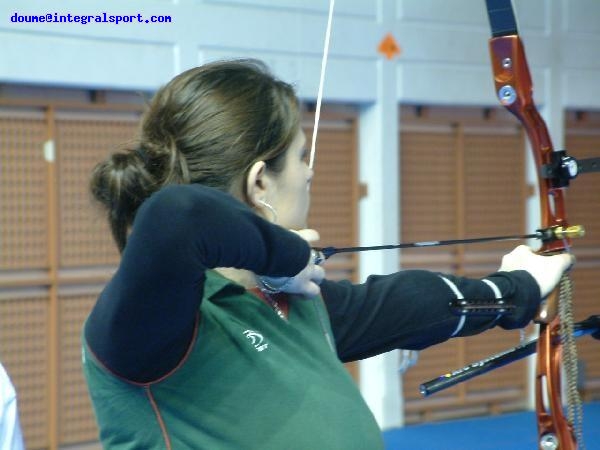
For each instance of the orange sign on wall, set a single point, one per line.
(389, 47)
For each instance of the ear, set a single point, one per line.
(256, 183)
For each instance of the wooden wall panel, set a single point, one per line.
(335, 190)
(428, 193)
(586, 293)
(428, 184)
(583, 200)
(83, 142)
(584, 192)
(23, 192)
(24, 353)
(462, 173)
(494, 178)
(77, 421)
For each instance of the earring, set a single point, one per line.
(270, 208)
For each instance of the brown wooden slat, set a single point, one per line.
(77, 422)
(583, 141)
(23, 196)
(83, 142)
(584, 191)
(24, 353)
(428, 210)
(333, 193)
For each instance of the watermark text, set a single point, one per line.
(84, 19)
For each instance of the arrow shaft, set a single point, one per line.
(329, 251)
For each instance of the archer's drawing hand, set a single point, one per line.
(546, 270)
(306, 282)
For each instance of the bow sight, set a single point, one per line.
(563, 168)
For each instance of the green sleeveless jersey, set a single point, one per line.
(248, 381)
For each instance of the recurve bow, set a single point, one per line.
(514, 90)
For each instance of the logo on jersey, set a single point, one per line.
(256, 339)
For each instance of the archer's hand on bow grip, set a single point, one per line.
(546, 270)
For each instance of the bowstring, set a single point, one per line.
(311, 161)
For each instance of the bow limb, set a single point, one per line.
(514, 89)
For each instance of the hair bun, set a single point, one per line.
(120, 184)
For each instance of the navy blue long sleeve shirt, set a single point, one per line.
(144, 319)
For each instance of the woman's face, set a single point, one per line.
(290, 194)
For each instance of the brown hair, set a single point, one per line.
(208, 125)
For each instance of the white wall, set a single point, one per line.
(444, 60)
(444, 57)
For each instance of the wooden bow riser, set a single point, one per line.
(514, 89)
(516, 74)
